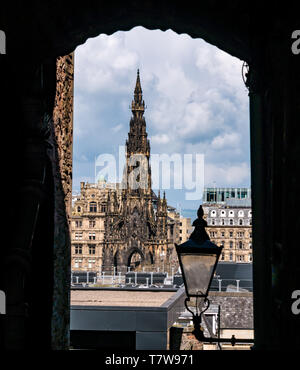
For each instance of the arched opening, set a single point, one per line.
(151, 258)
(116, 261)
(135, 259)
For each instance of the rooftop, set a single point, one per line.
(119, 298)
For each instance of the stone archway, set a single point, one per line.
(247, 31)
(135, 258)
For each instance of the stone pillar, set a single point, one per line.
(62, 135)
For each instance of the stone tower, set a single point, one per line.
(136, 220)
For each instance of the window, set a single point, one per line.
(91, 262)
(77, 263)
(250, 234)
(240, 244)
(92, 236)
(172, 230)
(240, 222)
(230, 256)
(78, 209)
(230, 234)
(223, 213)
(250, 257)
(231, 221)
(250, 245)
(213, 221)
(78, 236)
(92, 249)
(223, 233)
(78, 249)
(231, 213)
(250, 222)
(213, 234)
(93, 207)
(213, 214)
(231, 244)
(78, 223)
(241, 213)
(250, 214)
(92, 223)
(222, 243)
(222, 257)
(180, 231)
(103, 208)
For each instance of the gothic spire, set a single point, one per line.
(138, 104)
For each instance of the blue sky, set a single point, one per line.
(195, 96)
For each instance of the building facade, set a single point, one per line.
(125, 225)
(229, 223)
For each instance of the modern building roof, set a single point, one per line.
(119, 298)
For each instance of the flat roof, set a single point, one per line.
(119, 298)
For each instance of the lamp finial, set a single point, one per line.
(199, 235)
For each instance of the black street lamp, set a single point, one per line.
(198, 259)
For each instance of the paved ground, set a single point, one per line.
(119, 298)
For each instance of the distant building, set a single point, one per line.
(185, 229)
(229, 218)
(221, 195)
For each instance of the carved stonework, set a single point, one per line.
(62, 170)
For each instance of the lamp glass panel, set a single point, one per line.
(198, 269)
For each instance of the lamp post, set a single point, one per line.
(198, 258)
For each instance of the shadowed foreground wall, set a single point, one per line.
(36, 200)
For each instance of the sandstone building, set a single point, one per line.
(117, 226)
(229, 218)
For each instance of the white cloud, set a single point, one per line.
(230, 140)
(160, 139)
(196, 99)
(117, 128)
(227, 175)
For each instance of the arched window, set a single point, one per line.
(240, 244)
(231, 221)
(241, 213)
(240, 222)
(78, 209)
(93, 207)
